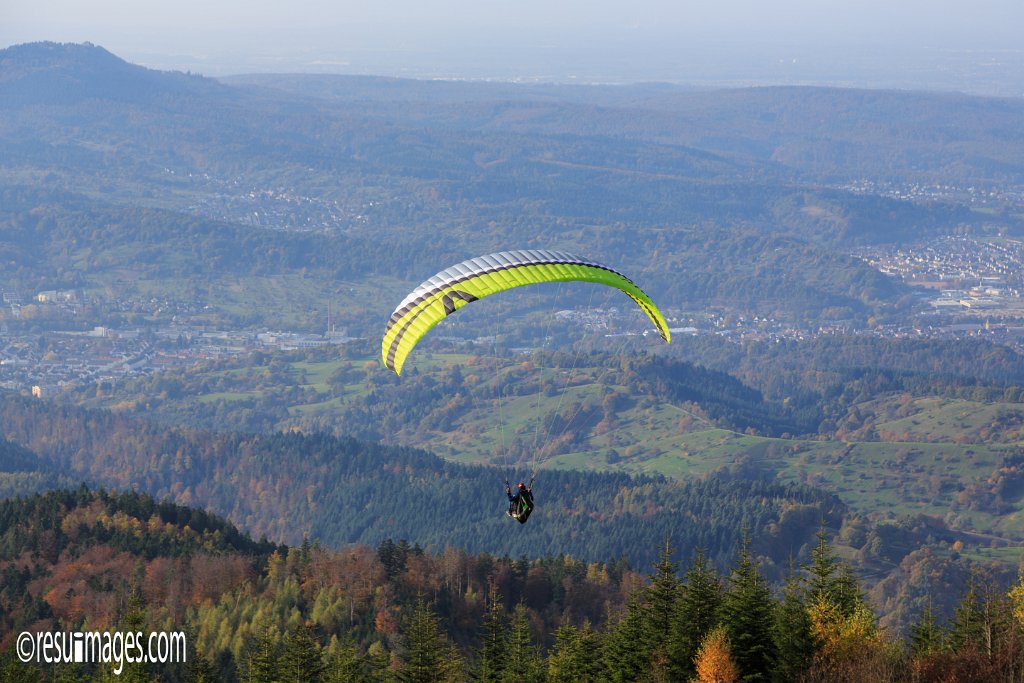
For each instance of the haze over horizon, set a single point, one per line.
(944, 45)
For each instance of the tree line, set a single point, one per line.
(255, 612)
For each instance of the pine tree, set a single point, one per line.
(822, 569)
(713, 662)
(490, 657)
(661, 600)
(696, 614)
(14, 670)
(133, 620)
(925, 634)
(625, 653)
(984, 622)
(967, 627)
(661, 596)
(70, 673)
(345, 664)
(843, 626)
(300, 660)
(260, 659)
(846, 592)
(574, 656)
(429, 657)
(833, 580)
(748, 619)
(523, 663)
(199, 669)
(379, 659)
(562, 659)
(1005, 634)
(793, 638)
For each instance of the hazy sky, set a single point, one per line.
(634, 40)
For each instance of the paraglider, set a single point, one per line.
(471, 280)
(520, 503)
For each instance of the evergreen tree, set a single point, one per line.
(380, 663)
(428, 657)
(833, 580)
(345, 664)
(925, 634)
(846, 592)
(562, 659)
(574, 656)
(490, 656)
(625, 653)
(71, 673)
(14, 670)
(984, 622)
(748, 618)
(260, 659)
(199, 669)
(300, 660)
(967, 627)
(822, 569)
(1005, 634)
(132, 619)
(793, 639)
(697, 613)
(661, 600)
(523, 663)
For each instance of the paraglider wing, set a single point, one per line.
(454, 287)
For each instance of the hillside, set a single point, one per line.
(832, 133)
(877, 422)
(85, 560)
(64, 240)
(340, 490)
(72, 557)
(351, 182)
(22, 473)
(68, 74)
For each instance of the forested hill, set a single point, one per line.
(787, 126)
(55, 522)
(63, 74)
(23, 473)
(88, 560)
(340, 490)
(69, 554)
(705, 204)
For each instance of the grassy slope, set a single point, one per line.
(926, 473)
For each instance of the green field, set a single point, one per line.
(939, 419)
(886, 479)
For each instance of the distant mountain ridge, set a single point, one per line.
(742, 199)
(51, 73)
(786, 126)
(828, 132)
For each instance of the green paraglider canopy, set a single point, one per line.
(466, 282)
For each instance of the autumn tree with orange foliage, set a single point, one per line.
(714, 662)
